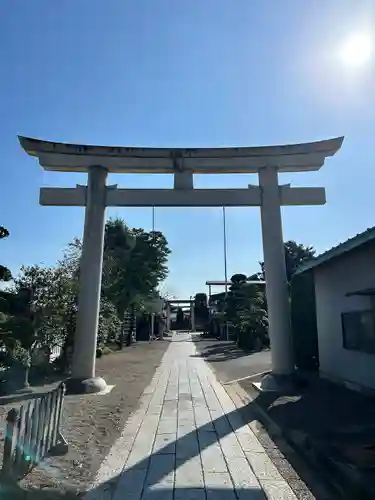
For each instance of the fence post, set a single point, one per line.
(51, 399)
(26, 440)
(55, 417)
(9, 443)
(20, 440)
(39, 434)
(61, 446)
(34, 431)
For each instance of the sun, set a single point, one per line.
(357, 51)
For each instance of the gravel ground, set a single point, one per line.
(229, 361)
(91, 424)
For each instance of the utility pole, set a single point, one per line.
(225, 267)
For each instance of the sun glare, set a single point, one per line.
(357, 51)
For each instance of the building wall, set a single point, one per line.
(352, 272)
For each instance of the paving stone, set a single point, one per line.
(130, 485)
(199, 401)
(154, 409)
(184, 430)
(187, 446)
(189, 494)
(204, 425)
(250, 494)
(248, 441)
(207, 439)
(160, 494)
(213, 460)
(139, 455)
(221, 423)
(164, 444)
(277, 490)
(262, 466)
(161, 470)
(167, 426)
(189, 473)
(242, 475)
(185, 418)
(231, 447)
(221, 480)
(217, 494)
(235, 419)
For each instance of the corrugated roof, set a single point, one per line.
(339, 250)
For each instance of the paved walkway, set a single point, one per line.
(187, 441)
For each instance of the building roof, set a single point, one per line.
(339, 250)
(79, 158)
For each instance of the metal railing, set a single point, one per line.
(33, 432)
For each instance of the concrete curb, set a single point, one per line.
(249, 377)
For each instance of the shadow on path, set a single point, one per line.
(141, 479)
(220, 351)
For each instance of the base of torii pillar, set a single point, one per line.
(282, 384)
(85, 385)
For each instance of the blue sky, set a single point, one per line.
(185, 73)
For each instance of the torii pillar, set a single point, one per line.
(192, 316)
(83, 377)
(279, 325)
(168, 314)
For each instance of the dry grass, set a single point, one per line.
(91, 424)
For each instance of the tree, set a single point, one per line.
(201, 311)
(134, 264)
(295, 255)
(37, 308)
(5, 274)
(245, 311)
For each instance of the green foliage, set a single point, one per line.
(135, 263)
(246, 307)
(246, 312)
(109, 323)
(201, 309)
(39, 309)
(238, 278)
(5, 274)
(21, 355)
(295, 255)
(4, 233)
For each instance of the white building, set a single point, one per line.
(344, 282)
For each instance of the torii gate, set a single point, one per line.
(189, 302)
(98, 161)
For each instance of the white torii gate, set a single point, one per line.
(98, 161)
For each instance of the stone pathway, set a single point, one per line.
(187, 441)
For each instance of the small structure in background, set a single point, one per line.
(333, 312)
(32, 433)
(183, 321)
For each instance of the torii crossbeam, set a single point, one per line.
(98, 161)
